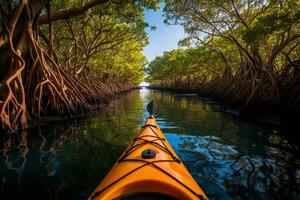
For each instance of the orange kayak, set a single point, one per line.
(148, 169)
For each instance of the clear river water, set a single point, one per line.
(230, 157)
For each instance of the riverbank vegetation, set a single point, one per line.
(62, 57)
(242, 52)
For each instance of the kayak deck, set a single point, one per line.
(147, 196)
(148, 169)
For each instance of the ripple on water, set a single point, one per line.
(220, 168)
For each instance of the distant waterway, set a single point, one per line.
(230, 157)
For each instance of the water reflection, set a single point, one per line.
(229, 157)
(30, 160)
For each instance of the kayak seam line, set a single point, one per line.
(119, 179)
(178, 181)
(161, 146)
(147, 163)
(135, 147)
(173, 156)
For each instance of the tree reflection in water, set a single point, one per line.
(30, 159)
(231, 158)
(67, 159)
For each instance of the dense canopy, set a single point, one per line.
(243, 51)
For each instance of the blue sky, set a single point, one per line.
(164, 38)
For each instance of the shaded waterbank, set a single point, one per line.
(228, 156)
(96, 103)
(265, 112)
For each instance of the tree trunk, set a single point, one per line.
(33, 83)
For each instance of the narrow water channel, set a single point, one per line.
(230, 157)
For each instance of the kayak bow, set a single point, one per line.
(148, 169)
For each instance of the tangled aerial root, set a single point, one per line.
(52, 89)
(251, 88)
(33, 83)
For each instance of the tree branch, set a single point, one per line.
(72, 12)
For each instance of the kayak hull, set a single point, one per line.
(160, 172)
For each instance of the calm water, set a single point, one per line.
(230, 158)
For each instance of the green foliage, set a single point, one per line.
(124, 66)
(107, 40)
(238, 50)
(188, 67)
(277, 21)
